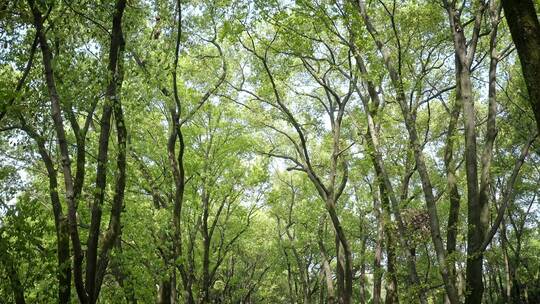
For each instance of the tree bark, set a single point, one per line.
(346, 296)
(453, 192)
(525, 30)
(377, 270)
(477, 210)
(112, 103)
(330, 293)
(95, 269)
(177, 166)
(392, 296)
(60, 221)
(58, 122)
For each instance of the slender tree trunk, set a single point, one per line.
(453, 193)
(508, 281)
(177, 168)
(476, 226)
(477, 223)
(95, 268)
(377, 270)
(206, 248)
(340, 266)
(387, 191)
(58, 122)
(391, 272)
(346, 296)
(101, 181)
(60, 222)
(330, 293)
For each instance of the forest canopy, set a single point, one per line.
(282, 151)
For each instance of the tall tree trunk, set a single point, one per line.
(476, 218)
(525, 30)
(485, 178)
(330, 292)
(95, 268)
(387, 190)
(394, 71)
(346, 263)
(391, 271)
(62, 142)
(452, 185)
(206, 247)
(363, 280)
(60, 221)
(377, 270)
(476, 227)
(177, 166)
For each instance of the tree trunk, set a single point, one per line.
(164, 291)
(95, 268)
(56, 114)
(330, 293)
(507, 294)
(476, 225)
(476, 218)
(453, 192)
(387, 191)
(176, 162)
(363, 280)
(346, 296)
(377, 270)
(391, 277)
(340, 266)
(60, 221)
(206, 248)
(525, 30)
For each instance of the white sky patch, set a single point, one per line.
(91, 47)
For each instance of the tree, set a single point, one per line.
(524, 26)
(268, 152)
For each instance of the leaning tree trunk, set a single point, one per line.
(525, 30)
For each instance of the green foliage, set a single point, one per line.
(259, 144)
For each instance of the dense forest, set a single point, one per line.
(281, 151)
